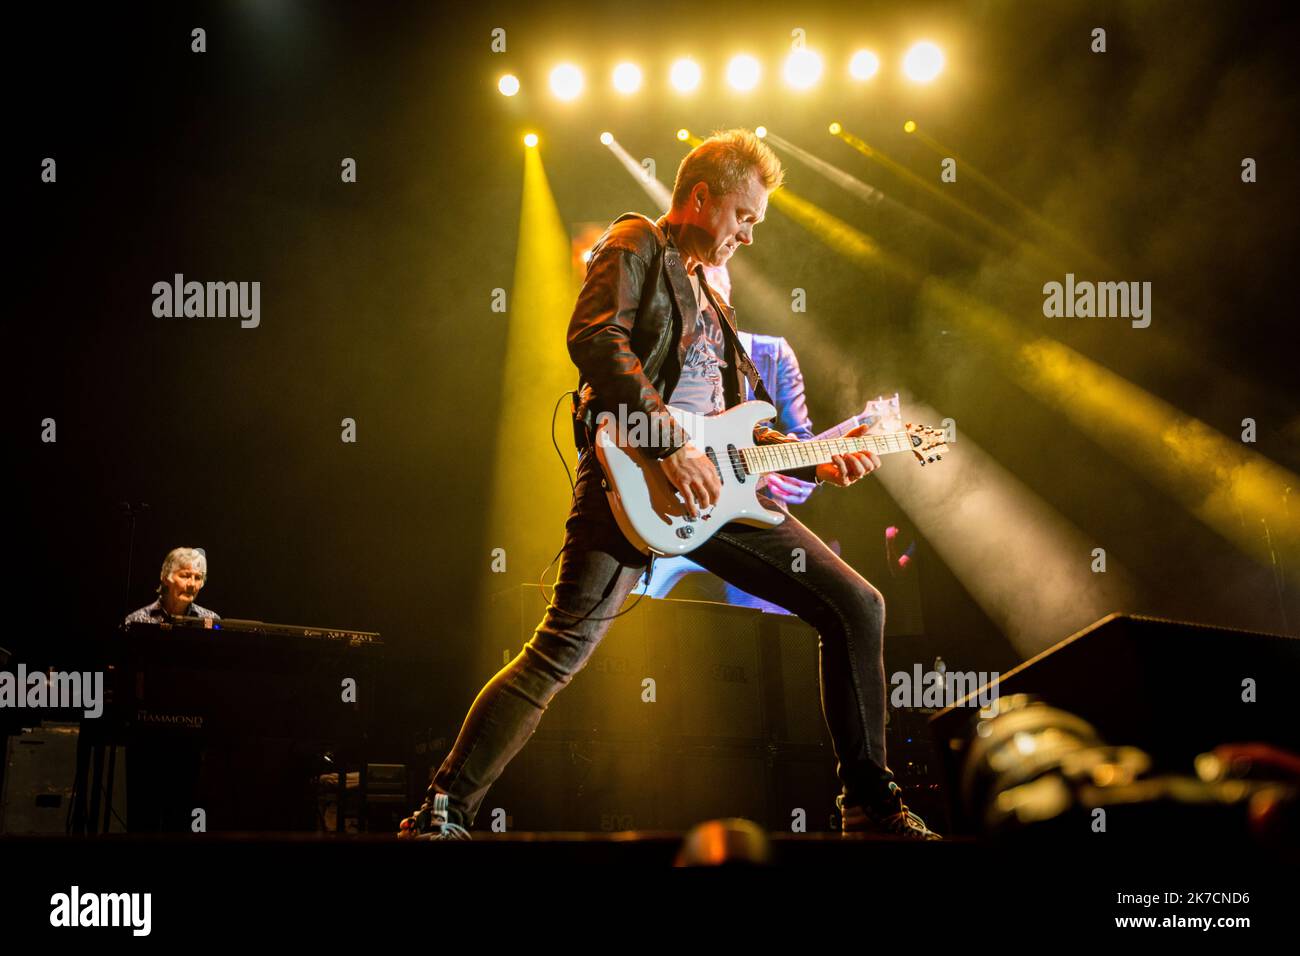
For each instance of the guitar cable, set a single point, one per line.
(541, 580)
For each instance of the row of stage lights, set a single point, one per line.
(802, 69)
(606, 138)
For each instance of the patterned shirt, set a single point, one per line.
(155, 613)
(699, 389)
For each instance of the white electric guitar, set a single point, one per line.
(651, 511)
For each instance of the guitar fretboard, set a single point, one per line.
(760, 459)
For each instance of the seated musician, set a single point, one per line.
(245, 783)
(184, 572)
(163, 777)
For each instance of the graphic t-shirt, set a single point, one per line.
(699, 389)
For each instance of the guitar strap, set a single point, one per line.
(743, 360)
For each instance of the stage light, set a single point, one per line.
(627, 78)
(508, 85)
(530, 140)
(836, 129)
(743, 72)
(566, 81)
(685, 75)
(683, 134)
(909, 126)
(760, 132)
(864, 65)
(606, 138)
(923, 62)
(802, 69)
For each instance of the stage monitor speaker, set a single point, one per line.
(604, 699)
(798, 718)
(1170, 688)
(579, 785)
(718, 673)
(40, 769)
(709, 679)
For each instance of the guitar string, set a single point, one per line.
(892, 442)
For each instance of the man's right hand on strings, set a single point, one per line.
(693, 474)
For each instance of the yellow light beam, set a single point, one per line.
(849, 241)
(902, 172)
(870, 195)
(1236, 492)
(1164, 350)
(1233, 490)
(1025, 564)
(529, 496)
(970, 169)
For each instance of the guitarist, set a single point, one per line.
(778, 367)
(647, 329)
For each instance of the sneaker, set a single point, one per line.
(892, 817)
(432, 822)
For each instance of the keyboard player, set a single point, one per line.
(163, 780)
(184, 572)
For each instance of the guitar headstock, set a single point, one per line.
(929, 444)
(881, 415)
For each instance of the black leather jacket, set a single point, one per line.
(627, 345)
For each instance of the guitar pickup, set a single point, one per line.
(713, 457)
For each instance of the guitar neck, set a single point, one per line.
(784, 456)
